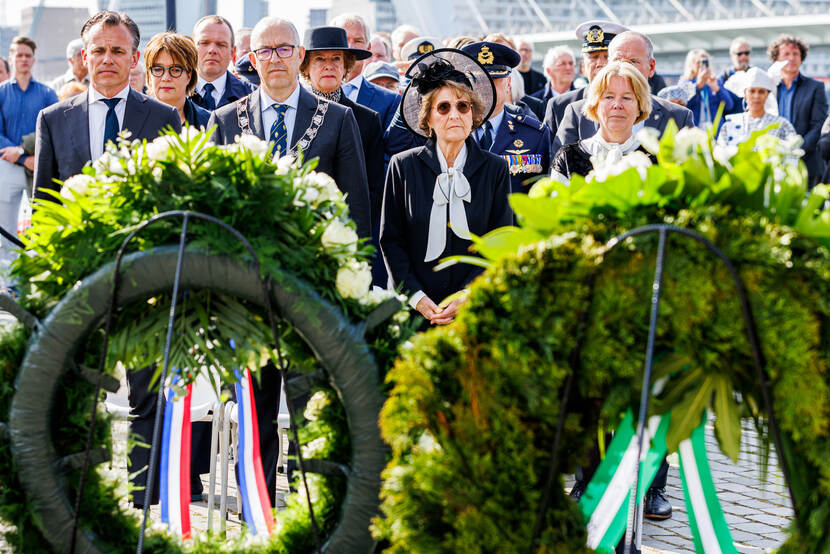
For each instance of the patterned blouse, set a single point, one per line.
(737, 127)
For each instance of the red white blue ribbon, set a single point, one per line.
(175, 462)
(256, 505)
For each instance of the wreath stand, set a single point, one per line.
(347, 365)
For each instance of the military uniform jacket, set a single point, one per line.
(575, 126)
(336, 145)
(407, 204)
(524, 144)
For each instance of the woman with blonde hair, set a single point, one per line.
(618, 99)
(709, 92)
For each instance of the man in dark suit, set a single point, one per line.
(801, 100)
(522, 141)
(216, 86)
(560, 67)
(284, 112)
(534, 81)
(75, 131)
(357, 88)
(595, 35)
(636, 49)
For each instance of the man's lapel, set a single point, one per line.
(135, 114)
(365, 94)
(255, 115)
(505, 134)
(77, 119)
(306, 106)
(657, 117)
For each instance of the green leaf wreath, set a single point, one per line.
(472, 414)
(296, 220)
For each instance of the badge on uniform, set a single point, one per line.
(523, 163)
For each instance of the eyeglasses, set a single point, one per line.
(743, 53)
(444, 108)
(175, 71)
(265, 54)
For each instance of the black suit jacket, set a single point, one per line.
(235, 89)
(62, 141)
(808, 113)
(575, 126)
(555, 108)
(407, 203)
(337, 147)
(371, 137)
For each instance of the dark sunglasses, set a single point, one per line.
(743, 53)
(444, 108)
(175, 71)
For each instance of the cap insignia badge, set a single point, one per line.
(595, 34)
(485, 56)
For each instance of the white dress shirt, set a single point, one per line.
(269, 115)
(98, 118)
(218, 87)
(354, 89)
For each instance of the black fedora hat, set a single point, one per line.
(331, 38)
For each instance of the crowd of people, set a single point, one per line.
(421, 133)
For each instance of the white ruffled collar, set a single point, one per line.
(598, 146)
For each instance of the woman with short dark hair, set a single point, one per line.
(171, 59)
(440, 194)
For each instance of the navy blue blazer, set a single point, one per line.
(377, 98)
(195, 115)
(235, 89)
(62, 140)
(523, 142)
(337, 147)
(808, 113)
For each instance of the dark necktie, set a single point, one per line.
(486, 141)
(111, 126)
(207, 96)
(279, 133)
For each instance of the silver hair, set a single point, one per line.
(517, 85)
(401, 29)
(626, 35)
(74, 47)
(241, 33)
(344, 18)
(737, 41)
(274, 21)
(555, 52)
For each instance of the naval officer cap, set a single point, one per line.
(496, 58)
(597, 34)
(419, 46)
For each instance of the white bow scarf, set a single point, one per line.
(609, 152)
(451, 190)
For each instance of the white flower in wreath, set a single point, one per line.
(353, 279)
(284, 164)
(687, 141)
(329, 192)
(159, 149)
(306, 195)
(649, 138)
(77, 185)
(377, 296)
(109, 162)
(338, 234)
(636, 159)
(253, 144)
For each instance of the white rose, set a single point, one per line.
(253, 144)
(636, 159)
(338, 234)
(650, 139)
(157, 174)
(189, 133)
(723, 153)
(353, 279)
(159, 149)
(284, 163)
(686, 143)
(76, 185)
(308, 195)
(108, 163)
(377, 296)
(327, 187)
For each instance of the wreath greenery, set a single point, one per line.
(473, 410)
(297, 222)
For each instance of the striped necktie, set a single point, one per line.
(279, 133)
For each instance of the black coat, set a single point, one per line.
(371, 136)
(407, 204)
(235, 89)
(555, 108)
(194, 115)
(336, 145)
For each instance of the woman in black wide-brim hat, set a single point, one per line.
(328, 59)
(438, 194)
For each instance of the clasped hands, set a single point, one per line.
(440, 315)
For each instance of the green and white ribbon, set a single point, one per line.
(605, 501)
(709, 529)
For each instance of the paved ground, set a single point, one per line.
(758, 512)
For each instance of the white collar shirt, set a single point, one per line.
(98, 118)
(353, 88)
(269, 115)
(218, 87)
